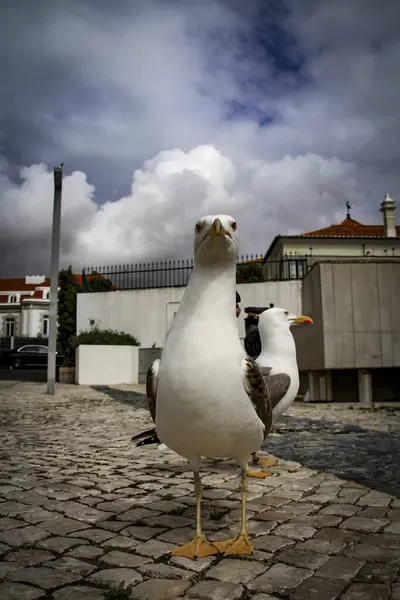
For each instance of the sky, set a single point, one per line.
(273, 111)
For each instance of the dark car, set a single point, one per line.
(32, 355)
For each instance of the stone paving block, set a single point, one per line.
(321, 546)
(96, 535)
(18, 591)
(388, 540)
(9, 523)
(116, 558)
(120, 541)
(375, 498)
(44, 577)
(280, 579)
(114, 577)
(317, 588)
(4, 548)
(302, 558)
(80, 512)
(340, 567)
(62, 526)
(115, 526)
(79, 592)
(90, 552)
(193, 565)
(271, 543)
(60, 544)
(393, 528)
(23, 535)
(271, 515)
(367, 591)
(142, 533)
(12, 509)
(264, 597)
(373, 512)
(154, 548)
(368, 551)
(170, 521)
(236, 571)
(364, 524)
(378, 573)
(213, 590)
(29, 558)
(71, 564)
(339, 535)
(6, 568)
(162, 571)
(341, 510)
(396, 591)
(295, 531)
(160, 589)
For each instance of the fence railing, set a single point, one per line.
(176, 273)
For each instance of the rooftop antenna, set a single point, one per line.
(348, 206)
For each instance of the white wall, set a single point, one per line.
(147, 314)
(106, 365)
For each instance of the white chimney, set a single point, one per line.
(35, 279)
(388, 208)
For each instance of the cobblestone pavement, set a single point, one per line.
(82, 509)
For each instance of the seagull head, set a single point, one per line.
(280, 319)
(216, 240)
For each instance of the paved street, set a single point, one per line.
(82, 509)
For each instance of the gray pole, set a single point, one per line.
(55, 252)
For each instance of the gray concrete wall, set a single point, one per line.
(146, 357)
(354, 307)
(309, 338)
(359, 314)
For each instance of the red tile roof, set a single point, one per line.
(348, 228)
(18, 284)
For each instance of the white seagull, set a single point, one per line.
(278, 361)
(207, 398)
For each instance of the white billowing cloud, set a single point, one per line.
(172, 190)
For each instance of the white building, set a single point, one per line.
(24, 306)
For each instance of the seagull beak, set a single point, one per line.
(253, 315)
(217, 228)
(303, 320)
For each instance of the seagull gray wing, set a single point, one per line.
(151, 387)
(278, 384)
(257, 391)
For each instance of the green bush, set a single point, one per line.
(107, 337)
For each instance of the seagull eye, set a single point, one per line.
(234, 225)
(286, 313)
(197, 227)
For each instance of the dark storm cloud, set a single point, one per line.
(257, 108)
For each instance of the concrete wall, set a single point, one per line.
(106, 365)
(309, 338)
(355, 304)
(148, 314)
(146, 357)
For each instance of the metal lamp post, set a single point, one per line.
(55, 258)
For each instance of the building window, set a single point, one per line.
(10, 326)
(13, 299)
(45, 328)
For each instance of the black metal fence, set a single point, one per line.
(176, 273)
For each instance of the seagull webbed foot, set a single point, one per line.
(199, 547)
(263, 462)
(257, 474)
(240, 545)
